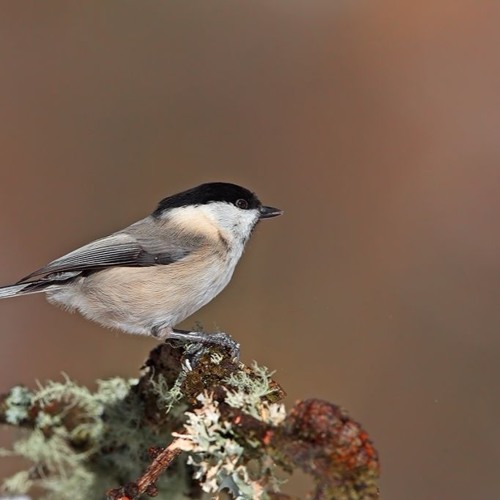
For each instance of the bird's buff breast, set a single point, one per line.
(135, 300)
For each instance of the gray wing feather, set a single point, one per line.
(140, 245)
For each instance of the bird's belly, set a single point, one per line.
(137, 299)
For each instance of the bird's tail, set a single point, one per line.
(19, 289)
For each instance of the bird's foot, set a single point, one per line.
(201, 340)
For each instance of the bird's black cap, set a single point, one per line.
(208, 193)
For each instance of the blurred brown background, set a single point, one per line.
(373, 124)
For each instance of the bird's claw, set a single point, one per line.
(195, 350)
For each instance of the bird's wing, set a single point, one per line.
(136, 248)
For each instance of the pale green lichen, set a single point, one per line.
(216, 358)
(217, 456)
(85, 442)
(215, 450)
(107, 419)
(19, 483)
(17, 404)
(168, 397)
(48, 444)
(250, 391)
(69, 474)
(256, 383)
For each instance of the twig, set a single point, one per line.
(147, 482)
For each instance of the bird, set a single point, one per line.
(148, 277)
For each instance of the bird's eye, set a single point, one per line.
(241, 203)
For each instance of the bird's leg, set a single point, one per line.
(219, 339)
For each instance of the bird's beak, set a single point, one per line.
(268, 212)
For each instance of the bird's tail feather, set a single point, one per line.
(21, 289)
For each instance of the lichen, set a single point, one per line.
(17, 404)
(82, 442)
(216, 450)
(168, 397)
(250, 393)
(191, 424)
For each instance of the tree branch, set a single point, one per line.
(182, 429)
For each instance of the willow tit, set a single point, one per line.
(152, 275)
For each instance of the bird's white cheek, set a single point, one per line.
(234, 223)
